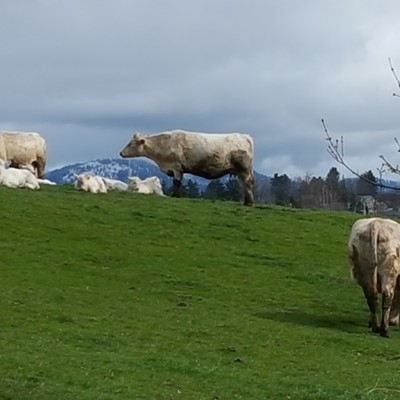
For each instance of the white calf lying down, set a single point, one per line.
(46, 182)
(90, 183)
(17, 178)
(115, 184)
(30, 168)
(146, 186)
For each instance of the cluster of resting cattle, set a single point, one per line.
(176, 152)
(374, 244)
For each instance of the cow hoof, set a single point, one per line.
(376, 329)
(384, 334)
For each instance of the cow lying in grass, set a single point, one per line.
(147, 186)
(31, 169)
(17, 178)
(115, 184)
(90, 183)
(374, 257)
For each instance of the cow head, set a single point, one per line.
(135, 147)
(134, 183)
(81, 181)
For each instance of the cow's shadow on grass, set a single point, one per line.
(340, 322)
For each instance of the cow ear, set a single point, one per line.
(138, 139)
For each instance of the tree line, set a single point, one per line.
(216, 189)
(331, 192)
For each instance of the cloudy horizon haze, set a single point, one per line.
(86, 74)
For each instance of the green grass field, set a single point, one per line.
(132, 297)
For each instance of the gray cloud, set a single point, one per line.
(88, 73)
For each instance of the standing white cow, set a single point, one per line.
(90, 183)
(24, 148)
(374, 257)
(209, 155)
(147, 186)
(17, 178)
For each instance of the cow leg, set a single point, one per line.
(177, 188)
(39, 165)
(388, 289)
(394, 316)
(387, 299)
(371, 295)
(247, 181)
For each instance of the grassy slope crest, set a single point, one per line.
(140, 297)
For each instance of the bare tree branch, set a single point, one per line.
(395, 76)
(336, 151)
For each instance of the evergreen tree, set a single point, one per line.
(332, 181)
(366, 185)
(192, 189)
(215, 190)
(281, 188)
(233, 190)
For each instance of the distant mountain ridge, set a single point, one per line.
(116, 168)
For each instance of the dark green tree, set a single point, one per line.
(215, 190)
(332, 180)
(281, 189)
(233, 190)
(367, 184)
(192, 189)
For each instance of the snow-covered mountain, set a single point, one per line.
(109, 168)
(116, 168)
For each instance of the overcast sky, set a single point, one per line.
(86, 74)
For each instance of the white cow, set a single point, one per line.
(31, 169)
(147, 186)
(17, 178)
(115, 184)
(209, 155)
(46, 182)
(374, 258)
(24, 148)
(90, 183)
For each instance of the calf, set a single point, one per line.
(17, 178)
(31, 169)
(146, 186)
(90, 183)
(374, 258)
(46, 182)
(114, 184)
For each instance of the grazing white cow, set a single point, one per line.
(24, 148)
(17, 178)
(374, 257)
(208, 155)
(115, 184)
(147, 186)
(90, 183)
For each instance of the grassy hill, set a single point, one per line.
(130, 297)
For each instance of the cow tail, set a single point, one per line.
(374, 247)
